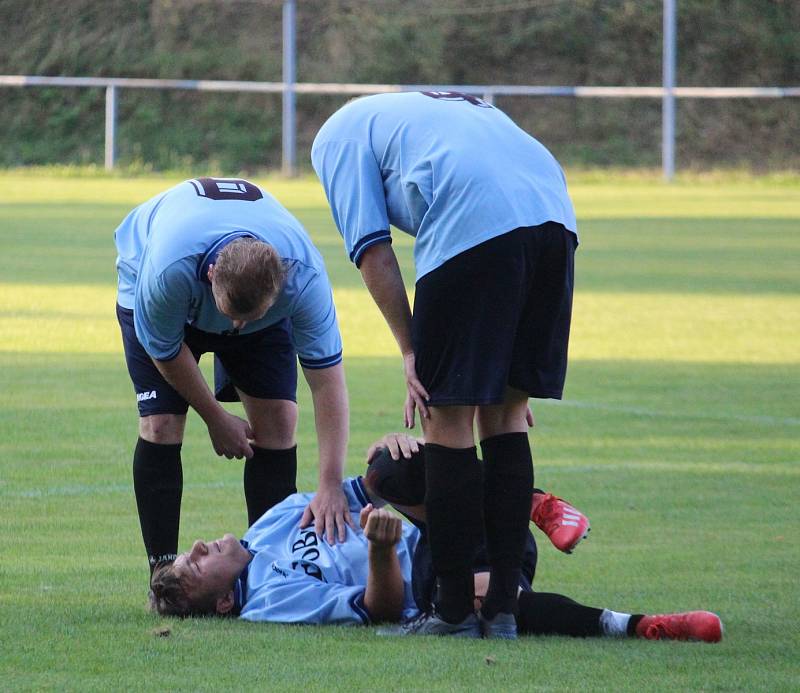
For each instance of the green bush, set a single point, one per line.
(553, 42)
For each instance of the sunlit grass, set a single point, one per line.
(618, 326)
(679, 434)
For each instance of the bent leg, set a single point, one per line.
(157, 470)
(270, 475)
(158, 484)
(508, 491)
(399, 482)
(262, 367)
(453, 501)
(543, 613)
(162, 429)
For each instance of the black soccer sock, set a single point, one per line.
(400, 482)
(543, 613)
(269, 477)
(158, 484)
(453, 493)
(507, 493)
(632, 623)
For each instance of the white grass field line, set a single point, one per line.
(637, 411)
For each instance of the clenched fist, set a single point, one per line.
(381, 528)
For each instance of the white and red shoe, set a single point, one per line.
(690, 625)
(564, 525)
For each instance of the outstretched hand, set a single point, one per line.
(329, 512)
(381, 528)
(417, 396)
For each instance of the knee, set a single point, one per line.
(497, 420)
(397, 481)
(450, 426)
(162, 429)
(274, 425)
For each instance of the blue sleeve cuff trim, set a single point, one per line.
(367, 241)
(326, 362)
(171, 357)
(360, 492)
(358, 606)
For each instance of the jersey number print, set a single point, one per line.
(457, 96)
(226, 189)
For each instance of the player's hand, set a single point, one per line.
(381, 528)
(329, 512)
(529, 417)
(398, 444)
(417, 396)
(231, 436)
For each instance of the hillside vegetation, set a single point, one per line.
(546, 42)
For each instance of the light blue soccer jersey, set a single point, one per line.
(296, 577)
(166, 244)
(446, 168)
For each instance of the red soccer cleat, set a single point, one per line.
(563, 524)
(690, 625)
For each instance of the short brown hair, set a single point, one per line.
(248, 274)
(169, 595)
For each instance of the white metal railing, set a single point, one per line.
(289, 89)
(361, 89)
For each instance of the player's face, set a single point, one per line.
(210, 568)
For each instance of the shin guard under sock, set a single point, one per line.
(453, 503)
(158, 484)
(269, 477)
(507, 494)
(542, 613)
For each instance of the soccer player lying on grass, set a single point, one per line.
(382, 572)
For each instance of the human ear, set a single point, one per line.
(225, 603)
(210, 273)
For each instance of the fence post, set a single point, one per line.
(111, 127)
(668, 102)
(288, 129)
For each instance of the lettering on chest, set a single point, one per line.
(304, 552)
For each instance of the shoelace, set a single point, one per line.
(415, 623)
(660, 628)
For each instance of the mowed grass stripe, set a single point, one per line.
(677, 435)
(674, 327)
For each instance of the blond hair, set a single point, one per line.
(248, 275)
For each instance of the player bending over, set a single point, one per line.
(382, 571)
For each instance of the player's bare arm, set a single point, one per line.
(328, 509)
(230, 435)
(385, 591)
(384, 280)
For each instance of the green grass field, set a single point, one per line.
(679, 436)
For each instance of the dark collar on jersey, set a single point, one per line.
(240, 586)
(211, 255)
(360, 490)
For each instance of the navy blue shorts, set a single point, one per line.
(497, 315)
(423, 577)
(262, 364)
